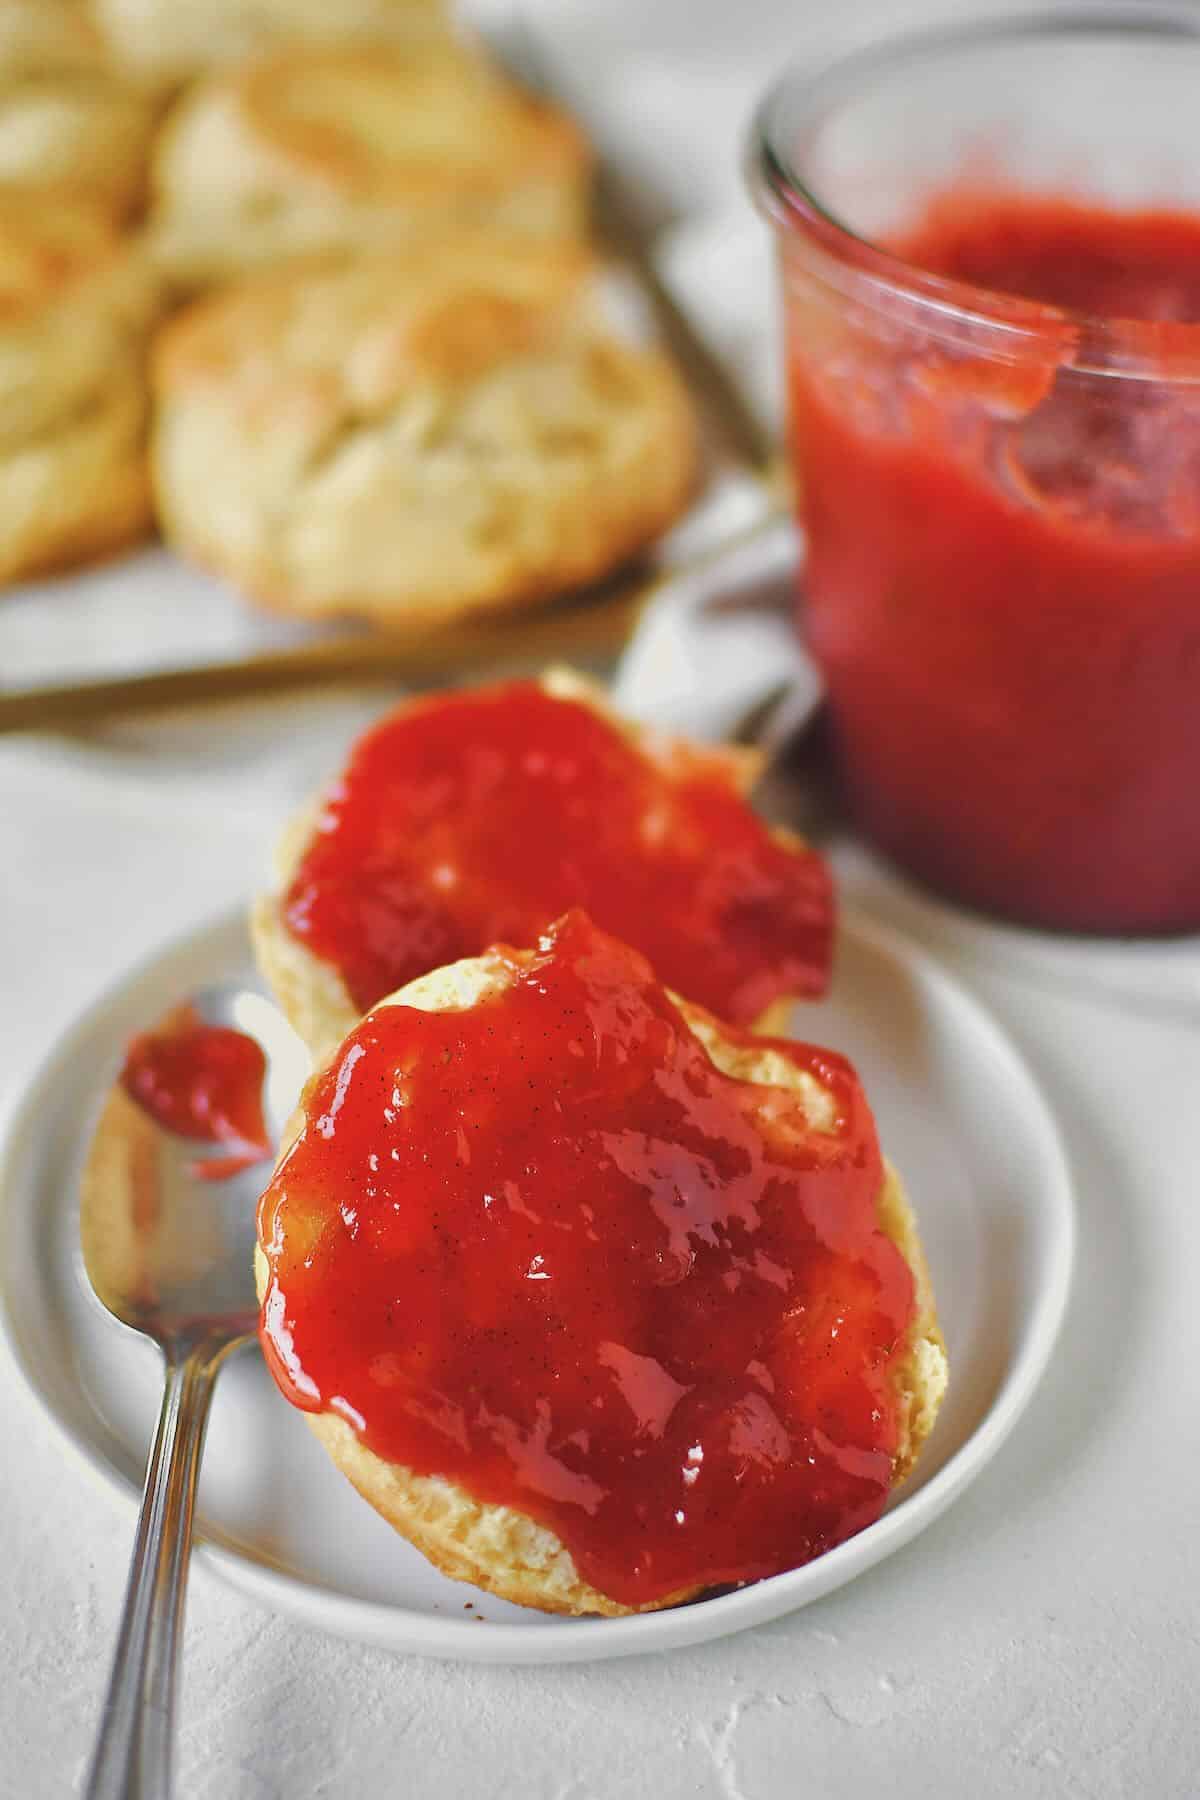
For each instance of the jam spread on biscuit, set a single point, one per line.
(480, 817)
(202, 1082)
(543, 1247)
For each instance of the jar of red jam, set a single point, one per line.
(990, 247)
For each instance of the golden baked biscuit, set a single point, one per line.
(416, 437)
(164, 42)
(318, 151)
(313, 990)
(76, 303)
(67, 120)
(303, 1233)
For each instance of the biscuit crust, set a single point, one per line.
(503, 1550)
(417, 438)
(352, 150)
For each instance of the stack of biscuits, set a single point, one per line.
(309, 288)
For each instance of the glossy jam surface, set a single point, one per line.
(1064, 253)
(202, 1082)
(480, 817)
(544, 1248)
(1003, 584)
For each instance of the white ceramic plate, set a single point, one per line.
(958, 1112)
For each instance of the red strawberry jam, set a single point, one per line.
(1003, 576)
(543, 1247)
(202, 1082)
(477, 818)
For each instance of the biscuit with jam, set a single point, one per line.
(474, 816)
(599, 1302)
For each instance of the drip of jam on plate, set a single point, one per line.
(480, 817)
(542, 1247)
(204, 1083)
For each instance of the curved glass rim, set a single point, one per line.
(1105, 344)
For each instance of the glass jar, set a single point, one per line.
(989, 240)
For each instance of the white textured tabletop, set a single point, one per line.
(1042, 1639)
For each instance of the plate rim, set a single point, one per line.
(383, 1624)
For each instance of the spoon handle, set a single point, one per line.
(134, 1751)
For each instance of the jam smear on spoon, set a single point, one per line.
(204, 1083)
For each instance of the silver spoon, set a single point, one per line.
(170, 1254)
